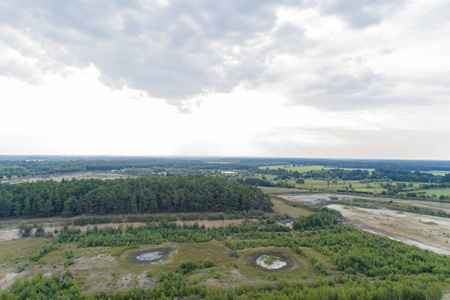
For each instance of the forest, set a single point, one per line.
(148, 194)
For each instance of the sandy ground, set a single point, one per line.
(426, 232)
(317, 198)
(9, 234)
(314, 199)
(211, 223)
(68, 176)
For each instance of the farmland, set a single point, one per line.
(302, 169)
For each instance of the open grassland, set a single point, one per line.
(286, 208)
(279, 190)
(302, 169)
(436, 172)
(112, 268)
(437, 192)
(348, 185)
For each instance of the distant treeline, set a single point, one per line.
(380, 174)
(129, 196)
(410, 165)
(21, 168)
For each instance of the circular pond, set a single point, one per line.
(150, 256)
(269, 260)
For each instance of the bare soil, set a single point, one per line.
(68, 176)
(426, 232)
(9, 234)
(211, 223)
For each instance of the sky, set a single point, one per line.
(325, 78)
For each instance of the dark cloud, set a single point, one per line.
(181, 49)
(172, 51)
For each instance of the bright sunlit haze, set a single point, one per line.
(171, 78)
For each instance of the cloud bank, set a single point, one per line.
(335, 54)
(283, 78)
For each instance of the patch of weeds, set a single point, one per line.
(22, 224)
(208, 263)
(149, 273)
(273, 277)
(68, 263)
(195, 280)
(20, 268)
(218, 275)
(80, 279)
(117, 251)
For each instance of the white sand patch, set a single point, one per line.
(408, 228)
(9, 234)
(270, 262)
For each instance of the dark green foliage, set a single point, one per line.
(44, 250)
(130, 196)
(319, 267)
(39, 287)
(188, 266)
(207, 263)
(69, 262)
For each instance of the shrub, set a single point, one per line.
(188, 266)
(208, 263)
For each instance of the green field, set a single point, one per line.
(302, 169)
(278, 190)
(434, 172)
(437, 192)
(281, 207)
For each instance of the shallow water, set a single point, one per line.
(149, 256)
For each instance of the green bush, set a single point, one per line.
(188, 266)
(208, 263)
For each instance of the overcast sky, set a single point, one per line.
(330, 78)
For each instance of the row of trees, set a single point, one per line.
(378, 175)
(129, 196)
(42, 166)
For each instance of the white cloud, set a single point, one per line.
(326, 78)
